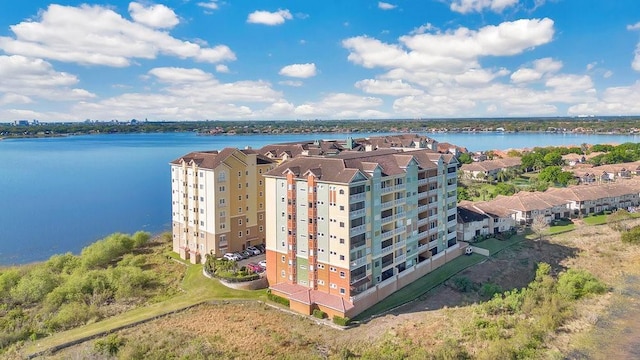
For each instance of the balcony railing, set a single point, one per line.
(400, 258)
(401, 243)
(358, 230)
(387, 204)
(423, 181)
(357, 213)
(357, 197)
(358, 262)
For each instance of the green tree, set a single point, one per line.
(504, 189)
(553, 159)
(465, 158)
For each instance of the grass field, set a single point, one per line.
(196, 289)
(422, 285)
(595, 220)
(494, 245)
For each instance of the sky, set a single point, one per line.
(331, 59)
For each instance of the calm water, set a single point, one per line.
(60, 194)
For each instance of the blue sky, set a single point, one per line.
(332, 59)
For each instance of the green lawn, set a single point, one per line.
(595, 220)
(559, 229)
(494, 245)
(422, 285)
(197, 289)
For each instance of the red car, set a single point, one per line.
(254, 267)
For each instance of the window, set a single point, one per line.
(342, 274)
(246, 196)
(341, 257)
(341, 224)
(332, 269)
(239, 186)
(239, 173)
(221, 188)
(223, 214)
(223, 226)
(320, 282)
(239, 210)
(201, 223)
(222, 176)
(201, 174)
(342, 291)
(239, 221)
(201, 211)
(341, 207)
(248, 230)
(239, 197)
(222, 202)
(261, 216)
(282, 258)
(320, 266)
(260, 228)
(341, 192)
(341, 242)
(334, 286)
(239, 233)
(201, 186)
(282, 273)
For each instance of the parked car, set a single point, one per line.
(254, 250)
(262, 248)
(232, 257)
(246, 254)
(263, 263)
(239, 254)
(254, 267)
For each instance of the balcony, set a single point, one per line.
(400, 258)
(423, 208)
(357, 197)
(423, 181)
(358, 262)
(384, 251)
(386, 205)
(422, 222)
(358, 230)
(357, 213)
(401, 243)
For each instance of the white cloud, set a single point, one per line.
(294, 83)
(467, 6)
(269, 18)
(622, 100)
(186, 95)
(386, 6)
(635, 26)
(636, 59)
(423, 29)
(25, 79)
(96, 35)
(541, 67)
(451, 52)
(222, 68)
(179, 75)
(387, 87)
(211, 5)
(299, 70)
(607, 74)
(155, 16)
(341, 106)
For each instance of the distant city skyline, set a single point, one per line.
(244, 60)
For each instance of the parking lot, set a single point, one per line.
(252, 259)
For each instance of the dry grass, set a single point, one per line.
(254, 330)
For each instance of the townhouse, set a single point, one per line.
(345, 231)
(483, 218)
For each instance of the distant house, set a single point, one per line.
(481, 218)
(489, 169)
(529, 205)
(574, 159)
(590, 199)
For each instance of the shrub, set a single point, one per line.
(319, 314)
(109, 345)
(575, 284)
(488, 290)
(278, 299)
(632, 236)
(342, 321)
(463, 284)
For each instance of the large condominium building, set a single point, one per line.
(343, 232)
(217, 202)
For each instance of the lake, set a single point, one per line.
(61, 194)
